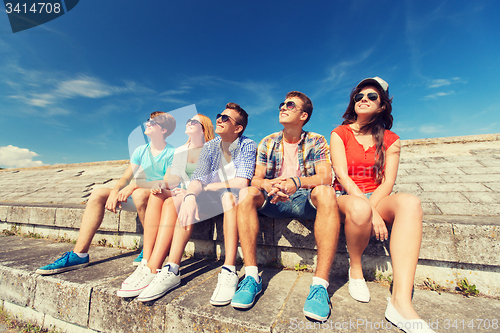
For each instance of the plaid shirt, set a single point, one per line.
(312, 150)
(242, 154)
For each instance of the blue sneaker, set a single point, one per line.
(317, 304)
(248, 289)
(67, 262)
(137, 261)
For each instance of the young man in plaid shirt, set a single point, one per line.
(292, 179)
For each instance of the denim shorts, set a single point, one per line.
(340, 193)
(298, 206)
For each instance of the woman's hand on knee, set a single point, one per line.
(379, 229)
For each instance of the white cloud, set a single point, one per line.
(443, 82)
(15, 157)
(86, 87)
(439, 94)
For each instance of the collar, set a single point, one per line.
(233, 146)
(280, 138)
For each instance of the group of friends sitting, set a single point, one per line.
(291, 174)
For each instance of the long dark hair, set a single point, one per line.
(377, 125)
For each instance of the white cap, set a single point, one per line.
(377, 81)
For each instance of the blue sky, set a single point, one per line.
(72, 90)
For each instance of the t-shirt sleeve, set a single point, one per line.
(137, 155)
(389, 138)
(341, 132)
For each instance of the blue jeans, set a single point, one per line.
(298, 206)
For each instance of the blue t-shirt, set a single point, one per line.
(154, 167)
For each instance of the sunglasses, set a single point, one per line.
(290, 105)
(371, 96)
(151, 122)
(193, 122)
(224, 118)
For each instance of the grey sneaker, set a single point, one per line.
(163, 282)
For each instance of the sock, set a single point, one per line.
(174, 268)
(320, 281)
(82, 255)
(231, 268)
(252, 271)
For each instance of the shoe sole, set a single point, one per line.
(245, 306)
(136, 263)
(129, 293)
(60, 270)
(152, 298)
(219, 303)
(316, 317)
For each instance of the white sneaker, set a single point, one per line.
(226, 287)
(409, 326)
(134, 274)
(163, 282)
(358, 289)
(136, 285)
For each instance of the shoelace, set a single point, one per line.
(246, 284)
(225, 278)
(318, 294)
(64, 258)
(358, 283)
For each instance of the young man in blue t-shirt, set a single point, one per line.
(152, 159)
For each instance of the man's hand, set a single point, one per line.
(112, 201)
(286, 185)
(126, 192)
(188, 212)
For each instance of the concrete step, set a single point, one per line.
(85, 300)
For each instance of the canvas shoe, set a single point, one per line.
(248, 289)
(134, 274)
(67, 262)
(138, 283)
(317, 305)
(163, 282)
(137, 261)
(358, 289)
(226, 287)
(409, 326)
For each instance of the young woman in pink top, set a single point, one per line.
(365, 158)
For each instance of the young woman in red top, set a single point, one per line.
(365, 158)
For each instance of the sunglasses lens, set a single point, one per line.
(373, 96)
(290, 105)
(223, 117)
(281, 105)
(358, 97)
